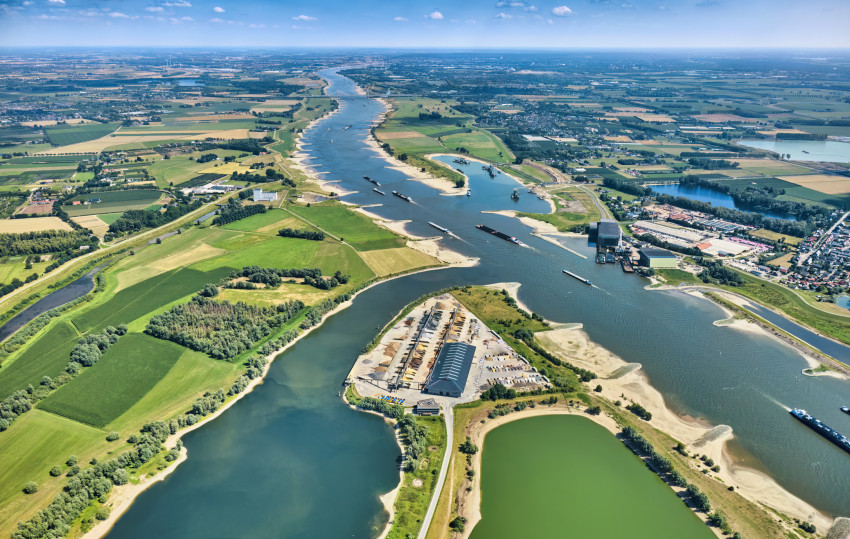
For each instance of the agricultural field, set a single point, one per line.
(390, 261)
(93, 223)
(64, 135)
(356, 229)
(32, 224)
(124, 374)
(113, 202)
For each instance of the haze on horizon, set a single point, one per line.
(549, 24)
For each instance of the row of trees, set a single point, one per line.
(393, 411)
(43, 242)
(316, 235)
(270, 175)
(220, 328)
(85, 354)
(414, 436)
(716, 272)
(94, 483)
(135, 220)
(233, 211)
(273, 277)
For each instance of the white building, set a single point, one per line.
(260, 196)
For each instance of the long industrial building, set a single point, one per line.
(448, 377)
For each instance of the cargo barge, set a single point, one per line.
(579, 277)
(368, 179)
(378, 191)
(627, 266)
(846, 410)
(499, 234)
(440, 228)
(818, 426)
(403, 197)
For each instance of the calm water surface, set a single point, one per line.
(805, 150)
(704, 194)
(290, 454)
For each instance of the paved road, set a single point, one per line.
(449, 415)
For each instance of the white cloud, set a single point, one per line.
(178, 3)
(119, 15)
(504, 16)
(187, 19)
(304, 18)
(217, 20)
(56, 2)
(27, 3)
(154, 9)
(218, 9)
(400, 19)
(435, 15)
(561, 11)
(531, 8)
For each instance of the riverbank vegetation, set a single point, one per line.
(149, 379)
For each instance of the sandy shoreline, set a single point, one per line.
(620, 379)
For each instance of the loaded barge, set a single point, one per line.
(378, 191)
(368, 179)
(499, 234)
(846, 410)
(818, 426)
(403, 197)
(579, 277)
(440, 228)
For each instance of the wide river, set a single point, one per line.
(292, 460)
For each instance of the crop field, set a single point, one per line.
(331, 257)
(48, 355)
(357, 230)
(93, 223)
(268, 223)
(389, 261)
(72, 134)
(19, 135)
(124, 374)
(201, 179)
(33, 224)
(770, 167)
(192, 374)
(824, 183)
(776, 236)
(142, 298)
(262, 250)
(113, 202)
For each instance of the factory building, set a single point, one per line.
(651, 257)
(606, 233)
(448, 378)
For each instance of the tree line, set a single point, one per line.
(316, 235)
(233, 211)
(85, 354)
(273, 277)
(219, 328)
(43, 242)
(135, 220)
(95, 483)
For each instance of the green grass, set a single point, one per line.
(412, 502)
(124, 374)
(675, 277)
(357, 230)
(331, 257)
(109, 218)
(563, 219)
(46, 440)
(62, 135)
(48, 355)
(523, 496)
(192, 375)
(145, 297)
(272, 252)
(113, 202)
(175, 170)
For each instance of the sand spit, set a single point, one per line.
(626, 382)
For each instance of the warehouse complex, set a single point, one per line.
(448, 377)
(652, 257)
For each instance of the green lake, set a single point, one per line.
(566, 476)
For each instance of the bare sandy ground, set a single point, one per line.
(626, 382)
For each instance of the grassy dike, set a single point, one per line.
(458, 497)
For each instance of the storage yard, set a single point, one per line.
(442, 351)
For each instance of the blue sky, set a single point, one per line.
(436, 24)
